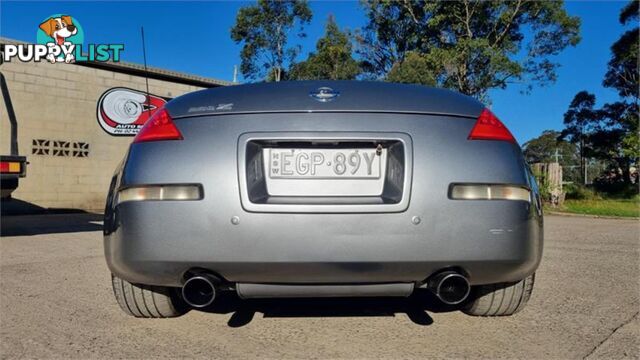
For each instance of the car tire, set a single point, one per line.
(145, 301)
(501, 299)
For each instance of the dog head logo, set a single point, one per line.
(60, 31)
(59, 28)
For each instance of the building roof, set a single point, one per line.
(139, 70)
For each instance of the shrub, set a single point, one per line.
(614, 187)
(543, 185)
(579, 192)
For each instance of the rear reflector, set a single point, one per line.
(489, 192)
(489, 127)
(160, 193)
(159, 127)
(9, 167)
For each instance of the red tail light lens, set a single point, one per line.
(159, 127)
(10, 167)
(488, 127)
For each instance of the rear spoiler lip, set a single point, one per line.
(257, 112)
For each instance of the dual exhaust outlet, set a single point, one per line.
(452, 288)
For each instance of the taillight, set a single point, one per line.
(10, 167)
(488, 127)
(159, 127)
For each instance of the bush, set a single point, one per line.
(543, 185)
(614, 187)
(579, 192)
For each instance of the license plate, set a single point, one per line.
(324, 163)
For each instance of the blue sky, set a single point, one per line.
(194, 37)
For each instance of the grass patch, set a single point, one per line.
(603, 207)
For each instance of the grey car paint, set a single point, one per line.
(323, 242)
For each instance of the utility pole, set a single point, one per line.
(235, 74)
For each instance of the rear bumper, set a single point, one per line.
(158, 242)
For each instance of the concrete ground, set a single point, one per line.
(56, 302)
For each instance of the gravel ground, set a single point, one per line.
(56, 302)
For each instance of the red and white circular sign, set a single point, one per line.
(123, 112)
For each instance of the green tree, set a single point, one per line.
(263, 29)
(617, 140)
(548, 148)
(415, 69)
(610, 134)
(469, 46)
(622, 70)
(622, 74)
(581, 121)
(332, 60)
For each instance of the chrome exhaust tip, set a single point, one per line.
(199, 291)
(450, 287)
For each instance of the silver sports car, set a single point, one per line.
(320, 189)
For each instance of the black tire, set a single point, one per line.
(145, 301)
(502, 299)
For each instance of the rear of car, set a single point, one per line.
(323, 189)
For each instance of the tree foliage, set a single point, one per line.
(581, 118)
(415, 69)
(622, 72)
(600, 133)
(581, 121)
(263, 29)
(610, 133)
(543, 149)
(333, 59)
(469, 46)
